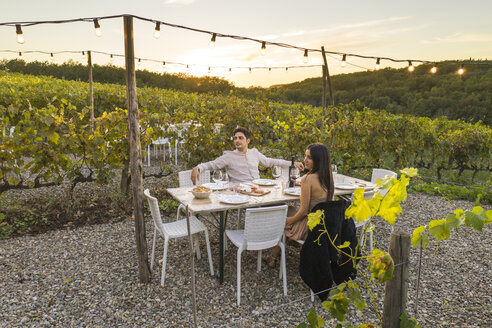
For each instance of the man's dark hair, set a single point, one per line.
(245, 131)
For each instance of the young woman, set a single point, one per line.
(316, 187)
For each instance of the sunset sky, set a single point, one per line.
(429, 30)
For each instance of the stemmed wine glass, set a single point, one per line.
(277, 173)
(217, 176)
(294, 175)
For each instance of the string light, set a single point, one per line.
(433, 70)
(20, 36)
(209, 70)
(286, 69)
(344, 60)
(157, 31)
(52, 58)
(263, 48)
(83, 54)
(187, 67)
(111, 58)
(97, 28)
(269, 69)
(305, 58)
(250, 69)
(139, 61)
(211, 44)
(377, 64)
(411, 68)
(461, 70)
(20, 55)
(164, 64)
(230, 70)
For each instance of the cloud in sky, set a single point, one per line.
(461, 37)
(179, 2)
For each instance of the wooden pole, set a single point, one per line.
(135, 152)
(332, 101)
(323, 98)
(91, 90)
(395, 296)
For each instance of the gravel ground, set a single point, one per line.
(87, 277)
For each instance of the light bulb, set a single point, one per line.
(305, 58)
(97, 28)
(461, 71)
(111, 58)
(211, 44)
(187, 67)
(83, 54)
(139, 62)
(263, 48)
(433, 70)
(209, 70)
(411, 68)
(157, 31)
(230, 70)
(20, 55)
(20, 36)
(52, 58)
(286, 69)
(377, 64)
(250, 69)
(269, 69)
(344, 60)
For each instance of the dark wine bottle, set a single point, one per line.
(292, 178)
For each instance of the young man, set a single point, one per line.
(241, 164)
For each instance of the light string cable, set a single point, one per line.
(112, 55)
(214, 35)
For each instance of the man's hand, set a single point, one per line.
(299, 166)
(195, 175)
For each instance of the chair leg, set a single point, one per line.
(153, 249)
(148, 156)
(258, 266)
(283, 269)
(312, 295)
(176, 152)
(370, 241)
(197, 249)
(164, 260)
(239, 276)
(238, 218)
(209, 253)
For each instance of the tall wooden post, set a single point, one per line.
(395, 295)
(323, 98)
(135, 151)
(91, 89)
(332, 101)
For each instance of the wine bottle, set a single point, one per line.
(292, 179)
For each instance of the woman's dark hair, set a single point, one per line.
(322, 165)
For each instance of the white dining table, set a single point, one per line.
(213, 204)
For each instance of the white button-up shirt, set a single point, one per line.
(242, 167)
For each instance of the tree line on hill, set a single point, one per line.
(420, 93)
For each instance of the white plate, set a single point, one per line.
(216, 186)
(265, 182)
(294, 191)
(347, 186)
(234, 199)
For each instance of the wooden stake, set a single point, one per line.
(323, 98)
(395, 297)
(135, 152)
(91, 90)
(332, 101)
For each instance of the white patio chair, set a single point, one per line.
(381, 173)
(172, 230)
(362, 225)
(263, 228)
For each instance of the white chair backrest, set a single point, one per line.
(381, 173)
(264, 226)
(154, 211)
(185, 178)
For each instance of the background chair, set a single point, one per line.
(172, 230)
(263, 228)
(381, 173)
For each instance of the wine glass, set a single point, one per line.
(217, 176)
(277, 171)
(294, 175)
(225, 178)
(334, 171)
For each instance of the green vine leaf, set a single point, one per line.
(418, 235)
(438, 229)
(406, 322)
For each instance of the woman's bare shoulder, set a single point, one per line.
(310, 177)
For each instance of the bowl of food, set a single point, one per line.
(201, 192)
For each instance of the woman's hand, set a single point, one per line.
(288, 223)
(300, 166)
